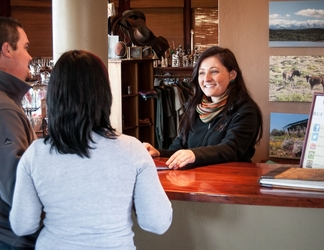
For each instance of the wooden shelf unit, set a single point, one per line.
(127, 78)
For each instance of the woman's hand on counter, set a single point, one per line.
(178, 160)
(181, 158)
(152, 150)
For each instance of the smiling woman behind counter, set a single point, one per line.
(221, 122)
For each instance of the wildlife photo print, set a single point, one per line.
(295, 78)
(296, 24)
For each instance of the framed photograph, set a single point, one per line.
(136, 52)
(287, 133)
(313, 153)
(296, 24)
(295, 78)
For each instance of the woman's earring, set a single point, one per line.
(232, 81)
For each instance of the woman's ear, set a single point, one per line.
(233, 74)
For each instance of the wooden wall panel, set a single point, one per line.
(140, 4)
(165, 18)
(204, 3)
(37, 23)
(5, 8)
(166, 22)
(31, 3)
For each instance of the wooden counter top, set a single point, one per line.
(233, 183)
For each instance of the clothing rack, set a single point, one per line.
(172, 76)
(175, 72)
(172, 92)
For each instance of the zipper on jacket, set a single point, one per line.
(205, 136)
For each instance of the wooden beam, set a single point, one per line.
(31, 3)
(5, 9)
(123, 5)
(187, 24)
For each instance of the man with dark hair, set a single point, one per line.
(16, 133)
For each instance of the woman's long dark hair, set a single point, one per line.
(78, 102)
(237, 91)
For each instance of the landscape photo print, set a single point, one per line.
(296, 24)
(287, 135)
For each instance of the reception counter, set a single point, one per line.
(233, 183)
(222, 207)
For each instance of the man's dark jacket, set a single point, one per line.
(16, 134)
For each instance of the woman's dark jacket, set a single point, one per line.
(233, 142)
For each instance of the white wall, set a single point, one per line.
(243, 28)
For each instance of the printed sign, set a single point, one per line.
(313, 150)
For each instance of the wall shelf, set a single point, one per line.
(130, 110)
